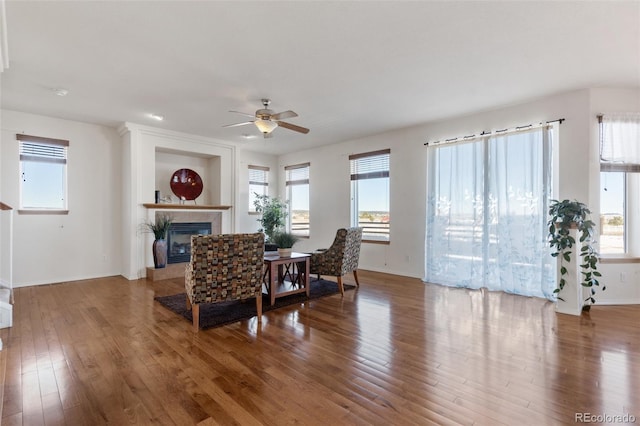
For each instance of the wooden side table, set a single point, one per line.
(278, 269)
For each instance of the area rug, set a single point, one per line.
(219, 314)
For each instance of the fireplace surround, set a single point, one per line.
(179, 239)
(217, 216)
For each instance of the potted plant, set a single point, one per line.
(159, 228)
(285, 242)
(564, 216)
(274, 213)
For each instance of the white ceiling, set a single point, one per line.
(349, 69)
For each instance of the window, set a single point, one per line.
(619, 182)
(258, 184)
(297, 181)
(43, 173)
(370, 194)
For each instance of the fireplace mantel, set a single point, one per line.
(184, 207)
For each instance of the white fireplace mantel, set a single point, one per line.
(184, 207)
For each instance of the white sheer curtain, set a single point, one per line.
(620, 138)
(487, 212)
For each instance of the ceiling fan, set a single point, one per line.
(266, 121)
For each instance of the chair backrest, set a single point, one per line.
(225, 267)
(346, 248)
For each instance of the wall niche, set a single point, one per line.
(167, 161)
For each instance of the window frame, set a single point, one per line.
(289, 184)
(625, 194)
(617, 165)
(264, 183)
(374, 173)
(62, 158)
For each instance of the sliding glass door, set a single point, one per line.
(487, 212)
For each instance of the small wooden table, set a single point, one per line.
(278, 269)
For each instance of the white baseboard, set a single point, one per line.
(387, 271)
(608, 302)
(64, 280)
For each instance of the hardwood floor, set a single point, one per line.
(395, 351)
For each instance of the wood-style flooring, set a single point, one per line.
(395, 351)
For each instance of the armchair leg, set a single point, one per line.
(340, 286)
(196, 317)
(355, 276)
(259, 307)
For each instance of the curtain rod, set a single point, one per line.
(484, 133)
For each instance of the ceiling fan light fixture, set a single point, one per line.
(266, 126)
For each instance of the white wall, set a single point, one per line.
(82, 244)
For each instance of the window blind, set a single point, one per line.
(43, 152)
(370, 165)
(297, 174)
(258, 175)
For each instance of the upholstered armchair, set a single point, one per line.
(222, 268)
(342, 257)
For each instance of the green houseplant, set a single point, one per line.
(159, 228)
(565, 215)
(274, 213)
(285, 242)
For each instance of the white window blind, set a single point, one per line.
(371, 165)
(297, 175)
(258, 175)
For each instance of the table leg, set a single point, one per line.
(272, 282)
(307, 266)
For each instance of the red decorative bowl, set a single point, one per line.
(186, 184)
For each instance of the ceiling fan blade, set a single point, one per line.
(243, 113)
(293, 127)
(238, 124)
(283, 114)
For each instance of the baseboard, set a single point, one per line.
(388, 271)
(64, 280)
(608, 302)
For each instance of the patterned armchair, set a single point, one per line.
(341, 257)
(224, 267)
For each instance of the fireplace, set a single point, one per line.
(179, 239)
